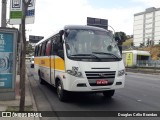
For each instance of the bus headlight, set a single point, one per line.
(121, 72)
(75, 73)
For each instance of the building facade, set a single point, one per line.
(146, 29)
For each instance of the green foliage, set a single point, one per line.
(120, 36)
(29, 49)
(128, 42)
(141, 45)
(132, 44)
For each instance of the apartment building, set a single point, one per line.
(146, 29)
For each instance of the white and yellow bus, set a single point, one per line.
(80, 59)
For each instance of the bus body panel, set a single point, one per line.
(53, 67)
(49, 67)
(71, 82)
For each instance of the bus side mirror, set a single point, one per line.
(61, 32)
(120, 48)
(118, 38)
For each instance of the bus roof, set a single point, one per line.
(85, 27)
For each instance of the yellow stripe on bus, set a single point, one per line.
(45, 62)
(59, 64)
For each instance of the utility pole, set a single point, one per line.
(3, 14)
(23, 54)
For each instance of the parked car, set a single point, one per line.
(32, 62)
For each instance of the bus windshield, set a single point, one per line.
(99, 44)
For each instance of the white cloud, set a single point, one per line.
(51, 15)
(149, 3)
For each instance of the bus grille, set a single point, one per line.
(93, 76)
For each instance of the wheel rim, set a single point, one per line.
(59, 90)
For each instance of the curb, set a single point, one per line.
(144, 71)
(34, 107)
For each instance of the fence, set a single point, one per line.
(148, 63)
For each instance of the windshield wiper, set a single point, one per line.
(107, 54)
(86, 55)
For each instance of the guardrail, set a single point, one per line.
(145, 66)
(148, 63)
(145, 70)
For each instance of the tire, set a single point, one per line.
(32, 65)
(62, 94)
(42, 82)
(109, 93)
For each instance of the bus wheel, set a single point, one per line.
(109, 93)
(60, 92)
(41, 80)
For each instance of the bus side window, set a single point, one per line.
(39, 50)
(48, 48)
(35, 51)
(54, 49)
(53, 46)
(57, 47)
(60, 51)
(43, 49)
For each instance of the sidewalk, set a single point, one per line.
(13, 105)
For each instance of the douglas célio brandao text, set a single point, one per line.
(134, 114)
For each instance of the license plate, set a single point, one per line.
(102, 82)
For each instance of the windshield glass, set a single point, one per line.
(81, 42)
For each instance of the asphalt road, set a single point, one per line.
(141, 93)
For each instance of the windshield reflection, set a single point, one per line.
(90, 42)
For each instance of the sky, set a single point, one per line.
(53, 15)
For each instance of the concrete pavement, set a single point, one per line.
(12, 104)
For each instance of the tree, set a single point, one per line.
(132, 44)
(148, 42)
(23, 53)
(141, 45)
(152, 42)
(29, 49)
(120, 37)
